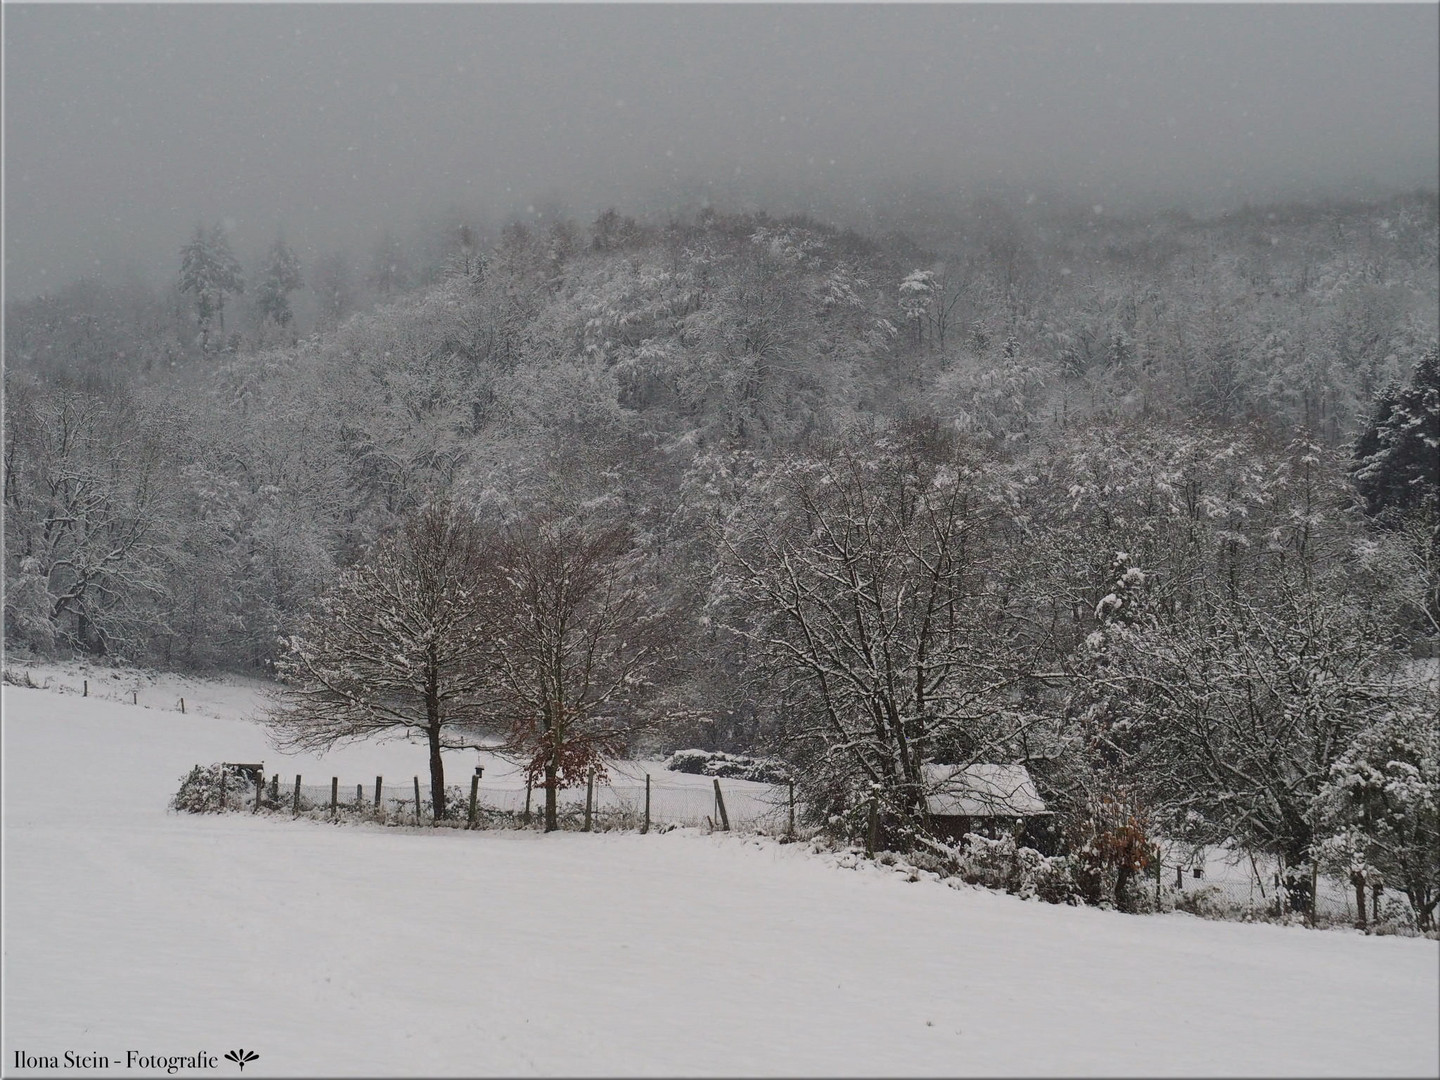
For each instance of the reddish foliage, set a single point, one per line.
(1114, 838)
(1120, 840)
(576, 756)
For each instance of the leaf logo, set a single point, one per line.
(241, 1057)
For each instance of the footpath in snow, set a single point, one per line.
(358, 950)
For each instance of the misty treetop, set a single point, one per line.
(279, 278)
(209, 270)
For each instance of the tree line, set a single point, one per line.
(1148, 505)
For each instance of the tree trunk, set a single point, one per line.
(1123, 899)
(551, 784)
(1424, 906)
(1298, 885)
(437, 771)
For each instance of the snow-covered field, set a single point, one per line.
(676, 797)
(360, 950)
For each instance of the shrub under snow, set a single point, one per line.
(1021, 870)
(200, 790)
(727, 766)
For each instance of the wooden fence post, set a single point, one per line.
(872, 827)
(134, 697)
(1358, 881)
(720, 806)
(525, 817)
(295, 810)
(790, 832)
(474, 795)
(84, 687)
(589, 795)
(182, 706)
(359, 796)
(334, 794)
(377, 794)
(417, 800)
(222, 787)
(646, 827)
(259, 790)
(275, 789)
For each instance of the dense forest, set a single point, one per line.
(1150, 503)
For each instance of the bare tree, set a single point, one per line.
(929, 297)
(576, 639)
(84, 494)
(394, 646)
(857, 579)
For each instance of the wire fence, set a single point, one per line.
(1244, 888)
(742, 806)
(1212, 884)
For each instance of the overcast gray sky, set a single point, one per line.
(125, 125)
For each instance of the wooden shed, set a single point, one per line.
(991, 800)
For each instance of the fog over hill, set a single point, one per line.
(125, 125)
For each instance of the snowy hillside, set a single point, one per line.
(365, 951)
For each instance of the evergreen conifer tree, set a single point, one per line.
(209, 270)
(278, 279)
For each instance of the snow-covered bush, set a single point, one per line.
(200, 790)
(1112, 850)
(1001, 864)
(1208, 902)
(1048, 877)
(936, 858)
(727, 766)
(987, 862)
(1395, 916)
(20, 677)
(27, 611)
(457, 805)
(690, 761)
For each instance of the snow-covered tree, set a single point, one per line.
(396, 645)
(929, 298)
(86, 505)
(1380, 808)
(333, 284)
(279, 277)
(857, 580)
(1397, 455)
(916, 297)
(209, 270)
(1397, 473)
(574, 641)
(390, 270)
(1228, 707)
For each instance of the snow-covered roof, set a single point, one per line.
(981, 791)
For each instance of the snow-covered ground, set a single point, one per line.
(675, 797)
(361, 950)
